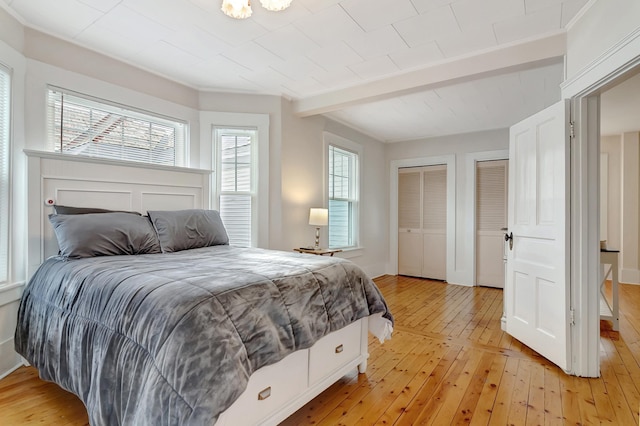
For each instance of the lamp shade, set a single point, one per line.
(318, 217)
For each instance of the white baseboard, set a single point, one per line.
(459, 278)
(9, 359)
(629, 276)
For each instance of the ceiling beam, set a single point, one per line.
(499, 60)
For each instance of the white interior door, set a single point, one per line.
(491, 219)
(537, 284)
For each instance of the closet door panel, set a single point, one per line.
(410, 254)
(434, 255)
(409, 200)
(434, 222)
(409, 216)
(491, 217)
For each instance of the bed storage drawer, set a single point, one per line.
(269, 389)
(333, 351)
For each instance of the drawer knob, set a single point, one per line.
(339, 349)
(264, 394)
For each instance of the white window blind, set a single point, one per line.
(82, 125)
(491, 195)
(343, 197)
(236, 186)
(5, 139)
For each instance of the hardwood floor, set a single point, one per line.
(448, 363)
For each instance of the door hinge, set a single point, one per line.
(572, 317)
(572, 133)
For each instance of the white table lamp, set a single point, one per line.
(318, 217)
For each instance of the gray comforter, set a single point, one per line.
(171, 339)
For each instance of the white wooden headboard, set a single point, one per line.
(117, 185)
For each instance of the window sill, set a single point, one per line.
(10, 293)
(351, 252)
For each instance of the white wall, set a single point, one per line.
(602, 39)
(605, 24)
(623, 201)
(611, 146)
(459, 146)
(630, 230)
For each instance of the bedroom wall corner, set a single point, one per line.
(303, 186)
(302, 177)
(374, 200)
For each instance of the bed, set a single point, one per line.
(171, 332)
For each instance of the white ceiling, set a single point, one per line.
(394, 69)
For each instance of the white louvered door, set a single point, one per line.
(422, 220)
(491, 218)
(409, 227)
(434, 222)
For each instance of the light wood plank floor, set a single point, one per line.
(448, 363)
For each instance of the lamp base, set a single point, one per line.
(317, 246)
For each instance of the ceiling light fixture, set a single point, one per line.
(275, 5)
(241, 9)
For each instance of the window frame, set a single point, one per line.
(344, 144)
(211, 119)
(181, 141)
(254, 167)
(5, 170)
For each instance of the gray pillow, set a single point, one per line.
(187, 229)
(85, 210)
(103, 234)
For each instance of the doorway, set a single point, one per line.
(585, 211)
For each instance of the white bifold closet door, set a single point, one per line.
(491, 218)
(434, 222)
(422, 220)
(410, 229)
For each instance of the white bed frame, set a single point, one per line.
(274, 392)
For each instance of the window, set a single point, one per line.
(236, 183)
(5, 133)
(343, 197)
(81, 125)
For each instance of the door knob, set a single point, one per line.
(509, 237)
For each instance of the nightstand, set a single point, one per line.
(319, 252)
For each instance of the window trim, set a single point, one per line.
(211, 119)
(331, 139)
(6, 281)
(217, 162)
(127, 110)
